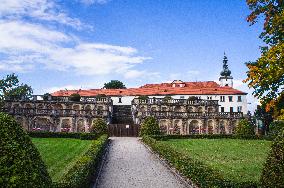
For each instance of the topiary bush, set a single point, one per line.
(273, 171)
(99, 126)
(275, 128)
(244, 128)
(150, 126)
(75, 97)
(20, 162)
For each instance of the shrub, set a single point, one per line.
(46, 134)
(81, 174)
(167, 98)
(99, 126)
(46, 96)
(143, 97)
(192, 98)
(273, 171)
(275, 128)
(75, 97)
(150, 127)
(20, 161)
(244, 128)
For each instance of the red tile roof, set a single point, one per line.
(190, 88)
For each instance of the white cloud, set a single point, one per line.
(25, 45)
(45, 10)
(90, 2)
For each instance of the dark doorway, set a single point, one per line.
(123, 130)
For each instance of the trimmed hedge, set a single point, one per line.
(81, 174)
(46, 134)
(273, 171)
(198, 172)
(207, 136)
(20, 162)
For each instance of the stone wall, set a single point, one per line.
(58, 114)
(181, 116)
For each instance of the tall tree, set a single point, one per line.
(114, 84)
(11, 87)
(266, 74)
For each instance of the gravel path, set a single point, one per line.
(129, 164)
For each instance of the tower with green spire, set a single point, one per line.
(225, 76)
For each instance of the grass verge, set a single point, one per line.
(60, 154)
(215, 162)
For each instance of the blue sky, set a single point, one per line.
(57, 44)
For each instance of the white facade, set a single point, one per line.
(228, 103)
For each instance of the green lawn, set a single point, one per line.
(59, 154)
(238, 160)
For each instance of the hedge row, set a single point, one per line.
(207, 136)
(82, 173)
(46, 134)
(198, 172)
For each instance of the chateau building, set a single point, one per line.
(180, 107)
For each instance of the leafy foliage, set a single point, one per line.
(99, 126)
(75, 97)
(275, 128)
(266, 74)
(46, 96)
(245, 128)
(114, 84)
(167, 98)
(81, 174)
(77, 135)
(150, 126)
(192, 98)
(143, 97)
(273, 171)
(20, 161)
(11, 87)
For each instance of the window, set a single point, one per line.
(230, 98)
(222, 109)
(209, 98)
(231, 109)
(239, 108)
(181, 97)
(239, 98)
(119, 100)
(222, 98)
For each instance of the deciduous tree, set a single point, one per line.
(114, 84)
(11, 87)
(266, 74)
